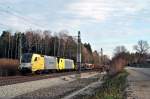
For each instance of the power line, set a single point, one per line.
(18, 15)
(26, 18)
(4, 26)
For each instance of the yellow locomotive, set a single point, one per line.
(36, 63)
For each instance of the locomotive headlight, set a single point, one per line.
(25, 65)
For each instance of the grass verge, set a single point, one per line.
(112, 88)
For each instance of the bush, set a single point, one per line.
(117, 65)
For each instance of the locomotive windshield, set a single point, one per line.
(26, 58)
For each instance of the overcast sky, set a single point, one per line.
(103, 23)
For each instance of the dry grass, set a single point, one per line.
(117, 65)
(112, 88)
(9, 63)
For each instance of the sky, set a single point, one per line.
(103, 23)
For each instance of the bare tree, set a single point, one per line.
(142, 47)
(96, 58)
(120, 49)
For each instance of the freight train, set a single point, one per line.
(36, 63)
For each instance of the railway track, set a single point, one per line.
(21, 79)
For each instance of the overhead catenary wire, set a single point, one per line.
(21, 17)
(18, 15)
(28, 19)
(4, 25)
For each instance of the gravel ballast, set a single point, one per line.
(45, 88)
(60, 91)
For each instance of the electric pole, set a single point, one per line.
(79, 52)
(58, 52)
(8, 45)
(101, 56)
(54, 45)
(20, 47)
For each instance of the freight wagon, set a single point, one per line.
(37, 63)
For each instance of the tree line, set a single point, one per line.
(122, 57)
(140, 55)
(46, 43)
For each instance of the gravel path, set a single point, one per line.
(60, 91)
(139, 83)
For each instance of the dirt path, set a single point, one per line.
(139, 83)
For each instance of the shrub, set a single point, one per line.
(117, 65)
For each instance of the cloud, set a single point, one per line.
(64, 24)
(89, 9)
(108, 18)
(100, 10)
(17, 24)
(10, 1)
(103, 23)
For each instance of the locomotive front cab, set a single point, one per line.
(31, 63)
(26, 65)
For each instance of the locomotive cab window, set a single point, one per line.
(26, 58)
(35, 59)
